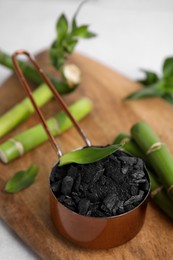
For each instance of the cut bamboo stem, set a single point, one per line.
(23, 110)
(157, 154)
(33, 137)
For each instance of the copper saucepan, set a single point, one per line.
(85, 231)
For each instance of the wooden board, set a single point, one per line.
(28, 211)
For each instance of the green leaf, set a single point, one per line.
(150, 78)
(71, 45)
(168, 67)
(81, 31)
(74, 24)
(145, 93)
(22, 179)
(89, 35)
(62, 28)
(88, 155)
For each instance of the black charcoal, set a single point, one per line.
(56, 186)
(112, 186)
(67, 184)
(110, 201)
(83, 206)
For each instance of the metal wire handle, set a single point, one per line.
(24, 83)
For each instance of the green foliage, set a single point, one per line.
(155, 86)
(88, 155)
(68, 36)
(22, 180)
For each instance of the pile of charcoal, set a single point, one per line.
(109, 187)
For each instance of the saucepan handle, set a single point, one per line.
(27, 88)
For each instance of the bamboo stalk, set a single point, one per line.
(157, 154)
(29, 71)
(33, 137)
(158, 193)
(23, 110)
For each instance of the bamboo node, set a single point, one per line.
(154, 147)
(18, 145)
(3, 157)
(156, 191)
(170, 188)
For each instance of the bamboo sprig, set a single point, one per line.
(35, 136)
(23, 110)
(155, 85)
(158, 192)
(157, 154)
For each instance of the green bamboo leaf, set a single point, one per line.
(71, 45)
(146, 93)
(22, 180)
(62, 28)
(150, 78)
(89, 35)
(74, 24)
(81, 31)
(168, 67)
(88, 155)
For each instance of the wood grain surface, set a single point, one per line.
(27, 212)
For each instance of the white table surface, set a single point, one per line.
(132, 34)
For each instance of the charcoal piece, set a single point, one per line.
(103, 180)
(77, 183)
(110, 201)
(134, 199)
(67, 185)
(61, 198)
(103, 190)
(119, 153)
(87, 177)
(120, 204)
(84, 188)
(134, 190)
(83, 206)
(128, 207)
(140, 181)
(114, 210)
(99, 213)
(72, 172)
(93, 197)
(76, 199)
(139, 165)
(128, 160)
(124, 169)
(145, 186)
(89, 213)
(97, 175)
(68, 201)
(138, 175)
(121, 210)
(114, 172)
(56, 186)
(56, 174)
(94, 207)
